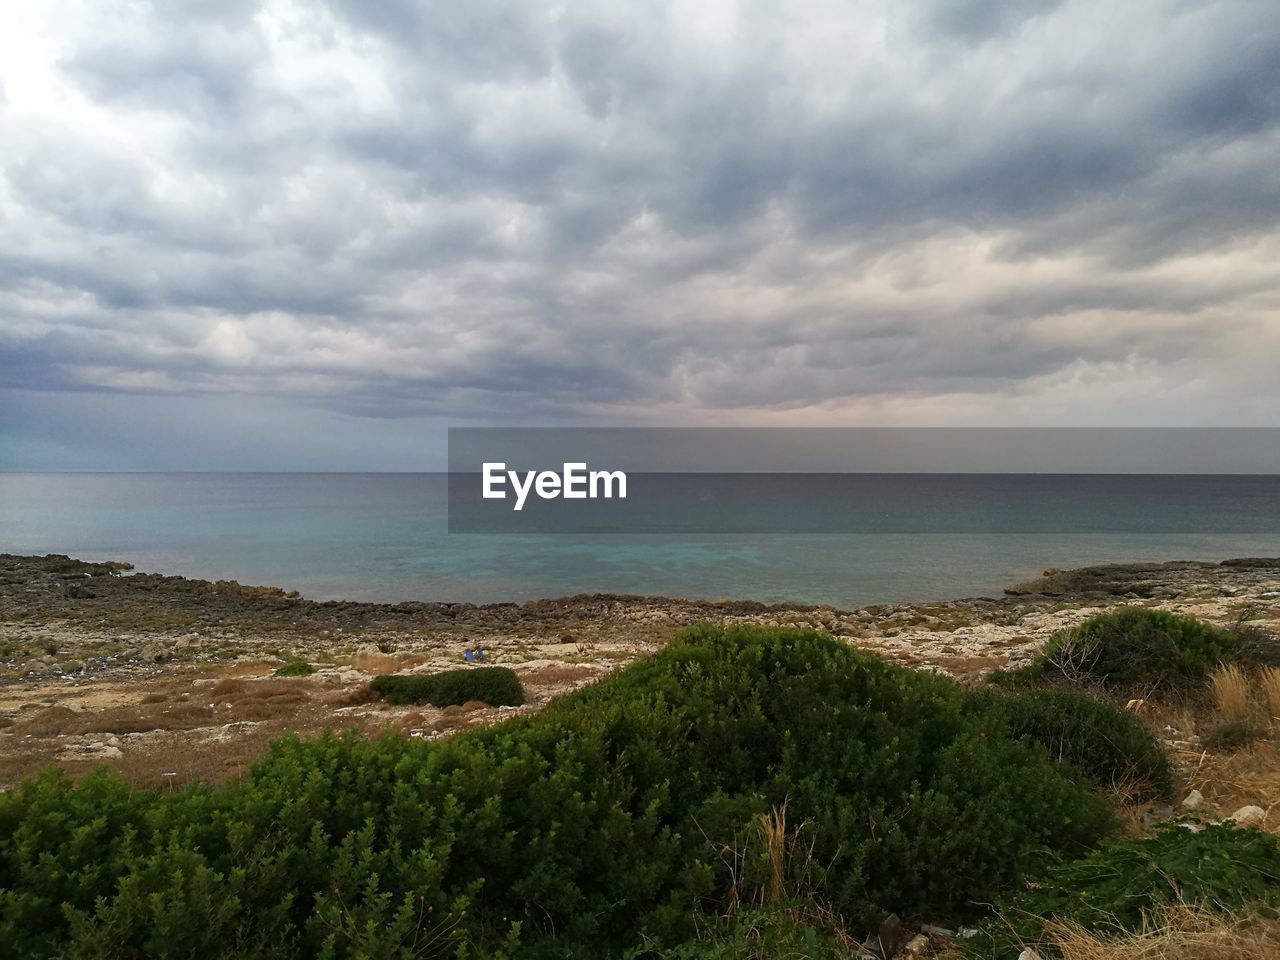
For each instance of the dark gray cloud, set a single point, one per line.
(405, 212)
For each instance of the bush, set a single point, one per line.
(607, 820)
(296, 668)
(1101, 739)
(1132, 647)
(1116, 888)
(496, 686)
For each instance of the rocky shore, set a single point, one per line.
(169, 676)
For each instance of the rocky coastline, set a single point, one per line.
(102, 664)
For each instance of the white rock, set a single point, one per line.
(1028, 954)
(917, 945)
(1247, 815)
(1193, 800)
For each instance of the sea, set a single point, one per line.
(385, 537)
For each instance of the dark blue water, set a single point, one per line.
(385, 537)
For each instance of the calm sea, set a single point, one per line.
(384, 537)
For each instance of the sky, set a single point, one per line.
(273, 236)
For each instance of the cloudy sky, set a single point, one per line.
(243, 235)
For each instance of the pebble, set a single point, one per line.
(1193, 800)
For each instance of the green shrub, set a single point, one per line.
(296, 668)
(496, 686)
(607, 820)
(1104, 740)
(1131, 647)
(1124, 882)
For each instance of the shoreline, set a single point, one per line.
(164, 676)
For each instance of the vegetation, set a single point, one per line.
(614, 818)
(496, 686)
(761, 933)
(1104, 740)
(1118, 888)
(296, 668)
(1132, 647)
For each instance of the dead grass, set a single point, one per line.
(1269, 685)
(1178, 934)
(226, 701)
(1230, 780)
(367, 661)
(1232, 695)
(558, 675)
(139, 718)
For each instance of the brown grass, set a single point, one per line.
(370, 662)
(558, 675)
(367, 661)
(137, 718)
(1179, 934)
(1232, 695)
(1230, 780)
(1269, 685)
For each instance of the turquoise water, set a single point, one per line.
(385, 537)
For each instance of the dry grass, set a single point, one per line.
(1230, 780)
(1179, 934)
(1229, 773)
(1232, 695)
(1269, 684)
(370, 662)
(367, 661)
(137, 718)
(558, 675)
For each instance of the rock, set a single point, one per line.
(884, 944)
(1028, 954)
(154, 653)
(933, 931)
(341, 676)
(1158, 813)
(1193, 800)
(1248, 815)
(917, 945)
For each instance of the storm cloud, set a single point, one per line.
(278, 235)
